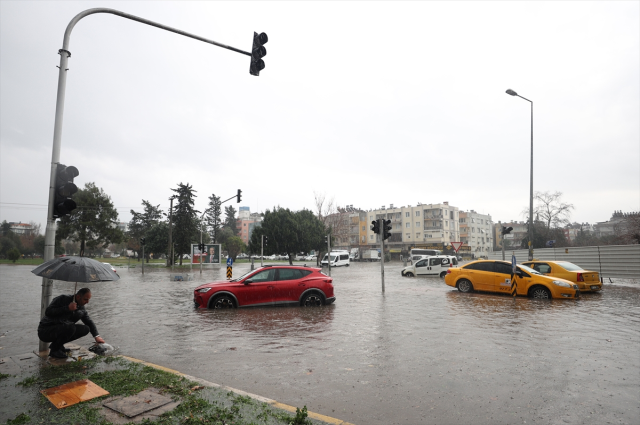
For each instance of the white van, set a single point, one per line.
(338, 258)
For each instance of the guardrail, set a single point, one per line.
(619, 261)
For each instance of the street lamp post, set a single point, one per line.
(513, 93)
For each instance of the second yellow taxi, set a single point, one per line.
(495, 276)
(586, 280)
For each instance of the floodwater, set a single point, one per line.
(420, 353)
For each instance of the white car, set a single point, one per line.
(113, 269)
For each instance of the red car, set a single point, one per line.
(268, 286)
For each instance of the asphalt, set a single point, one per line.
(22, 366)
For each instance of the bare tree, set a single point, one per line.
(628, 230)
(550, 209)
(324, 207)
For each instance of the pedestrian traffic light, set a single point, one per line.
(506, 230)
(239, 196)
(141, 241)
(64, 189)
(386, 229)
(375, 226)
(258, 51)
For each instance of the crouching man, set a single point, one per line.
(58, 326)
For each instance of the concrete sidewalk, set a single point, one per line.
(22, 367)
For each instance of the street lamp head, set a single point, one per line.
(511, 92)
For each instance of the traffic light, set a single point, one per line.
(142, 241)
(506, 230)
(386, 229)
(64, 189)
(258, 51)
(201, 247)
(265, 240)
(375, 226)
(326, 239)
(239, 196)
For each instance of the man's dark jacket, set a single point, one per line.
(58, 313)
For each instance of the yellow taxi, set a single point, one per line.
(586, 280)
(495, 276)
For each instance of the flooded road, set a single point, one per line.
(420, 353)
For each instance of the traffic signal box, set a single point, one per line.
(258, 51)
(506, 230)
(64, 189)
(375, 226)
(386, 229)
(239, 195)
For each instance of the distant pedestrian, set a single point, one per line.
(58, 326)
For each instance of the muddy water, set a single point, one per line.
(420, 353)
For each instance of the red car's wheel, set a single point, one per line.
(223, 301)
(312, 299)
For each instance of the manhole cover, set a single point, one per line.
(136, 404)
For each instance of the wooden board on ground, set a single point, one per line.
(72, 393)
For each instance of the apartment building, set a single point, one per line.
(476, 232)
(246, 223)
(514, 239)
(421, 226)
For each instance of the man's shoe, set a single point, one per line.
(66, 350)
(58, 354)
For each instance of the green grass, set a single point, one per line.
(198, 405)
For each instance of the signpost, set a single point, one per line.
(229, 268)
(456, 246)
(514, 269)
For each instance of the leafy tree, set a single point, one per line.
(13, 254)
(224, 234)
(141, 223)
(38, 245)
(94, 223)
(288, 232)
(5, 228)
(213, 217)
(629, 229)
(234, 246)
(157, 239)
(6, 245)
(230, 219)
(185, 219)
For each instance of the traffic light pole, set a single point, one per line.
(65, 54)
(261, 249)
(329, 253)
(143, 260)
(381, 221)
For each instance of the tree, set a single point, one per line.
(213, 217)
(157, 239)
(629, 229)
(234, 246)
(550, 209)
(141, 223)
(5, 228)
(224, 234)
(230, 219)
(38, 245)
(185, 219)
(94, 223)
(288, 232)
(13, 254)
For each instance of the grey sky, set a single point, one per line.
(372, 103)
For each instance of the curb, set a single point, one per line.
(274, 403)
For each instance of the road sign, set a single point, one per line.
(514, 285)
(456, 245)
(229, 262)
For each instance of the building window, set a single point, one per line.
(417, 224)
(417, 235)
(408, 235)
(408, 225)
(417, 213)
(407, 214)
(371, 237)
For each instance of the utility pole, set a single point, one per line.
(170, 259)
(381, 235)
(329, 253)
(261, 249)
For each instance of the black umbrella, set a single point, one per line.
(75, 269)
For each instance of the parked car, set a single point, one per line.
(113, 269)
(586, 280)
(495, 276)
(435, 265)
(300, 257)
(268, 286)
(311, 258)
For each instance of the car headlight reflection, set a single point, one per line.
(203, 290)
(561, 283)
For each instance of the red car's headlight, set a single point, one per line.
(203, 290)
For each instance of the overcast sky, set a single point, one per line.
(369, 103)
